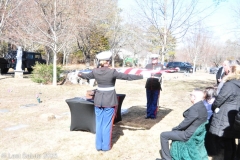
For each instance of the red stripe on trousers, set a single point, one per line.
(113, 118)
(157, 104)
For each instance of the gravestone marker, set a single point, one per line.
(4, 110)
(16, 127)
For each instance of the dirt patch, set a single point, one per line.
(45, 127)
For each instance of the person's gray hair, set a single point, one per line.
(198, 93)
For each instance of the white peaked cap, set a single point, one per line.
(105, 55)
(154, 55)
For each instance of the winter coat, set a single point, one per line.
(193, 118)
(228, 101)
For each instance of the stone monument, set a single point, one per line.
(18, 71)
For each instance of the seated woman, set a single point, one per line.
(212, 142)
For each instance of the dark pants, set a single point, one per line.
(212, 142)
(229, 148)
(164, 138)
(152, 102)
(238, 150)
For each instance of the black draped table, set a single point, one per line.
(83, 114)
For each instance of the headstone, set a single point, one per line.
(73, 77)
(16, 127)
(28, 105)
(18, 71)
(4, 110)
(47, 116)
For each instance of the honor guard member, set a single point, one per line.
(153, 87)
(105, 100)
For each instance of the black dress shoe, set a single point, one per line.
(150, 117)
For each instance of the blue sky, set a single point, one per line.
(221, 22)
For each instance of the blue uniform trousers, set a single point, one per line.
(104, 123)
(152, 102)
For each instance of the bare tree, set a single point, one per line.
(217, 55)
(47, 22)
(169, 17)
(232, 49)
(136, 40)
(7, 8)
(196, 44)
(69, 47)
(94, 25)
(114, 33)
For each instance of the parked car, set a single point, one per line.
(213, 70)
(188, 63)
(29, 59)
(180, 66)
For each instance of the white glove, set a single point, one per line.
(216, 110)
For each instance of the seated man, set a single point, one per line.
(193, 118)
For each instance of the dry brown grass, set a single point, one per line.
(134, 138)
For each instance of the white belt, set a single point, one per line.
(106, 89)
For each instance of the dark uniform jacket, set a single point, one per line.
(193, 118)
(106, 78)
(220, 74)
(154, 83)
(228, 101)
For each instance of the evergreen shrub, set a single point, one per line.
(43, 73)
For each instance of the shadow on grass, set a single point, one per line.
(4, 78)
(11, 74)
(135, 120)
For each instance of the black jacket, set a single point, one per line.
(220, 74)
(193, 118)
(228, 101)
(105, 78)
(154, 83)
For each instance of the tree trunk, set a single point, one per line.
(64, 57)
(55, 65)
